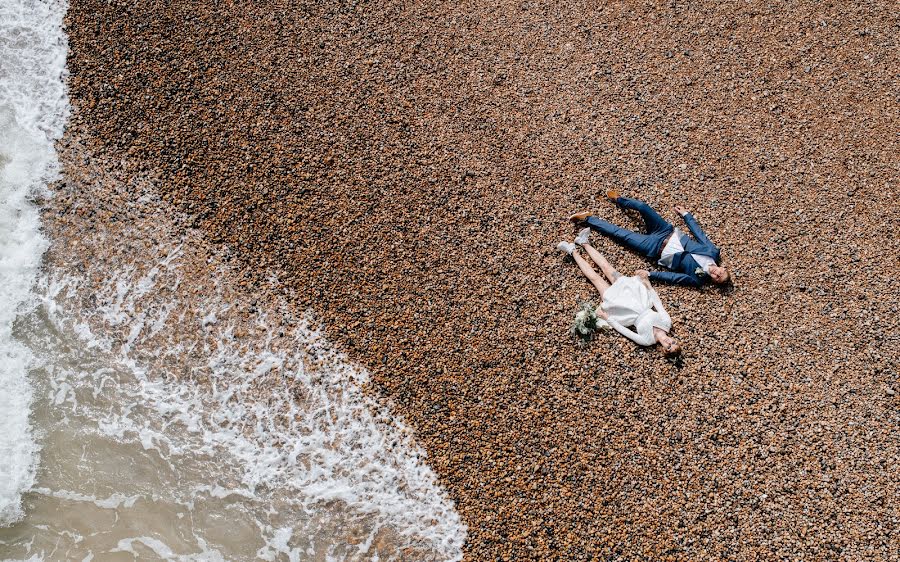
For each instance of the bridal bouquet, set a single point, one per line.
(586, 321)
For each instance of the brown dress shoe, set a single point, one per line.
(580, 217)
(612, 194)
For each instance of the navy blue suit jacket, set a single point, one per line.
(684, 266)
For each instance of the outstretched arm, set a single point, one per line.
(673, 278)
(693, 226)
(654, 296)
(640, 339)
(657, 303)
(644, 276)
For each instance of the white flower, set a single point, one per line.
(699, 271)
(585, 322)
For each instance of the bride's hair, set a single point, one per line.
(672, 350)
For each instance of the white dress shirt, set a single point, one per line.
(674, 247)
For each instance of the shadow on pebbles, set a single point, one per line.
(406, 169)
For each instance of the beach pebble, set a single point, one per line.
(387, 163)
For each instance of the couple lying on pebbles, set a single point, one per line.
(630, 305)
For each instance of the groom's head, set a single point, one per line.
(719, 274)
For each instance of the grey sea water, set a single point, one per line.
(146, 410)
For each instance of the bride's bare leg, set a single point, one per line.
(589, 272)
(601, 261)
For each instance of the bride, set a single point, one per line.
(629, 302)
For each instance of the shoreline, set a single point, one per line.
(33, 111)
(406, 173)
(241, 373)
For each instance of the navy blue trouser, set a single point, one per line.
(650, 244)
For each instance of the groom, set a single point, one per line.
(693, 262)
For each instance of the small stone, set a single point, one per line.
(405, 186)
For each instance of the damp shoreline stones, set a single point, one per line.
(405, 171)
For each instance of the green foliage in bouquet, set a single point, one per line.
(586, 321)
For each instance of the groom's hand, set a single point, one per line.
(681, 210)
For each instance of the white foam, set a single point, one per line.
(331, 445)
(162, 550)
(277, 543)
(112, 502)
(33, 112)
(313, 436)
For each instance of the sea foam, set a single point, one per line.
(269, 393)
(253, 415)
(33, 112)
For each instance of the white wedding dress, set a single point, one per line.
(628, 302)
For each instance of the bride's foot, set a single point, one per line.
(583, 236)
(566, 247)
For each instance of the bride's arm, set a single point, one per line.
(644, 276)
(640, 339)
(658, 305)
(654, 296)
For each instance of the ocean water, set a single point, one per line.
(152, 406)
(33, 111)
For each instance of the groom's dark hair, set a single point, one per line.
(728, 280)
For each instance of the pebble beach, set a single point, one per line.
(404, 172)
